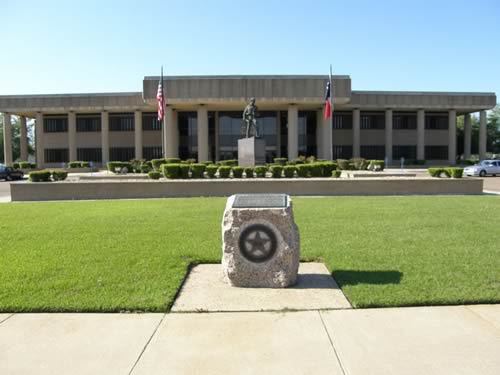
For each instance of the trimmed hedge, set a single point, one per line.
(40, 176)
(171, 171)
(316, 170)
(59, 175)
(280, 161)
(224, 171)
(336, 174)
(154, 175)
(376, 165)
(197, 170)
(207, 162)
(15, 165)
(172, 161)
(145, 168)
(289, 171)
(238, 172)
(211, 170)
(343, 164)
(328, 168)
(74, 164)
(157, 163)
(118, 166)
(303, 170)
(456, 172)
(260, 171)
(249, 172)
(184, 170)
(276, 171)
(446, 172)
(231, 162)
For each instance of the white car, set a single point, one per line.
(486, 167)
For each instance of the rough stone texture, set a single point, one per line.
(278, 272)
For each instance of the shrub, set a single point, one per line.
(85, 164)
(59, 175)
(238, 172)
(439, 172)
(280, 161)
(40, 176)
(145, 168)
(211, 170)
(184, 168)
(25, 165)
(376, 165)
(15, 165)
(224, 171)
(249, 172)
(190, 161)
(289, 171)
(231, 162)
(359, 163)
(119, 166)
(336, 174)
(157, 163)
(303, 170)
(171, 171)
(172, 161)
(311, 159)
(207, 162)
(154, 175)
(343, 164)
(260, 171)
(74, 164)
(316, 169)
(197, 170)
(455, 172)
(276, 170)
(32, 165)
(328, 168)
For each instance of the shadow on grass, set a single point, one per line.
(352, 277)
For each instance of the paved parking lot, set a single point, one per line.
(491, 184)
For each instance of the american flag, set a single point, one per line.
(160, 98)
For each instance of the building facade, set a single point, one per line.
(203, 121)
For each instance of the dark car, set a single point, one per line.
(10, 174)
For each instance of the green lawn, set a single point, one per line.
(133, 255)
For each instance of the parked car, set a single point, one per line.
(486, 167)
(10, 174)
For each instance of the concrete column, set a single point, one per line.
(452, 137)
(171, 133)
(138, 134)
(7, 139)
(72, 136)
(202, 127)
(105, 138)
(40, 159)
(420, 134)
(327, 136)
(24, 138)
(467, 136)
(356, 133)
(482, 135)
(293, 132)
(217, 143)
(388, 136)
(320, 142)
(278, 134)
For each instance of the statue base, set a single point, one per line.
(251, 152)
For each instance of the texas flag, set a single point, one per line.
(328, 99)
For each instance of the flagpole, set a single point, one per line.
(330, 143)
(163, 117)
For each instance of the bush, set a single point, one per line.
(190, 161)
(172, 161)
(238, 172)
(171, 171)
(32, 165)
(276, 170)
(59, 175)
(260, 171)
(154, 175)
(119, 166)
(207, 162)
(15, 165)
(316, 169)
(211, 170)
(25, 165)
(360, 164)
(184, 168)
(289, 171)
(157, 163)
(439, 172)
(303, 170)
(343, 164)
(231, 162)
(249, 172)
(145, 168)
(74, 164)
(455, 172)
(336, 174)
(40, 176)
(85, 164)
(376, 165)
(328, 168)
(224, 171)
(280, 161)
(197, 170)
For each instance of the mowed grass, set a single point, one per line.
(133, 255)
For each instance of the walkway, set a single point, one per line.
(421, 340)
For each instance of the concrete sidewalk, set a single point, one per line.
(421, 340)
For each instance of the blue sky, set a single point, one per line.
(106, 46)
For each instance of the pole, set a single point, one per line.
(163, 118)
(330, 131)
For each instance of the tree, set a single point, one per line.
(493, 130)
(16, 138)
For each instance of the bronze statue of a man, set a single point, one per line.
(250, 117)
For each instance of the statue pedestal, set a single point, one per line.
(251, 152)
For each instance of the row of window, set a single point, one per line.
(400, 121)
(61, 155)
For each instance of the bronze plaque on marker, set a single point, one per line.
(260, 201)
